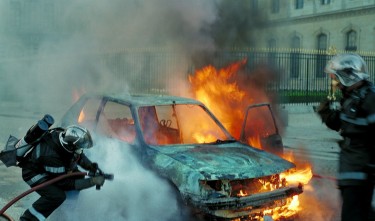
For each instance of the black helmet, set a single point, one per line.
(75, 138)
(349, 68)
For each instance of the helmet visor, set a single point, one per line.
(350, 77)
(85, 142)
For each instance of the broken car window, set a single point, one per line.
(116, 121)
(178, 124)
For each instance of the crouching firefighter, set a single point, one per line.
(58, 152)
(355, 121)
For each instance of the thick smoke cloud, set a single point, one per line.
(51, 49)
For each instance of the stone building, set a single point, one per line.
(318, 24)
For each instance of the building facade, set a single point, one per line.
(308, 26)
(318, 24)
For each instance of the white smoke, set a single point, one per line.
(71, 35)
(135, 194)
(320, 201)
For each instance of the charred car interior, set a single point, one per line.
(183, 142)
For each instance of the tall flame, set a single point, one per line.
(214, 88)
(228, 95)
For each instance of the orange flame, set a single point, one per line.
(81, 117)
(255, 142)
(302, 175)
(220, 91)
(214, 89)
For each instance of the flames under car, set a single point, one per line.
(183, 142)
(248, 197)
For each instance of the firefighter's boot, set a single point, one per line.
(27, 216)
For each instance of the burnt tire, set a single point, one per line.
(184, 212)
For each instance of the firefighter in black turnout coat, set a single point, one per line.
(58, 152)
(355, 121)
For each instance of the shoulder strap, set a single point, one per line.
(37, 141)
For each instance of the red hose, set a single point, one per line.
(6, 217)
(49, 182)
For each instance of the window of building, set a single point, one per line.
(271, 43)
(295, 57)
(322, 42)
(351, 41)
(299, 4)
(34, 41)
(325, 2)
(275, 7)
(296, 42)
(16, 13)
(272, 54)
(321, 58)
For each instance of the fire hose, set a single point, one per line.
(49, 182)
(324, 177)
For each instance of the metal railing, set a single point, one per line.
(301, 72)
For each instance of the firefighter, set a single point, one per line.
(58, 152)
(354, 119)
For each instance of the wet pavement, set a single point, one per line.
(309, 139)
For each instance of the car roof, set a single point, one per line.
(147, 99)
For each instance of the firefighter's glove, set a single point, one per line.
(324, 109)
(323, 106)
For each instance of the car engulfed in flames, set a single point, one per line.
(184, 143)
(238, 93)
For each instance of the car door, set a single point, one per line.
(260, 129)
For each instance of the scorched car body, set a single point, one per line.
(183, 142)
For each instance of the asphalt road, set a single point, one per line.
(305, 137)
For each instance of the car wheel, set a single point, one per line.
(184, 212)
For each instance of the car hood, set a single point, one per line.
(228, 161)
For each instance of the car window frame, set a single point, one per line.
(100, 112)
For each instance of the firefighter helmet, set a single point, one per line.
(75, 138)
(349, 68)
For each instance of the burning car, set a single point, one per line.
(183, 142)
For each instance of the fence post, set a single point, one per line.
(307, 82)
